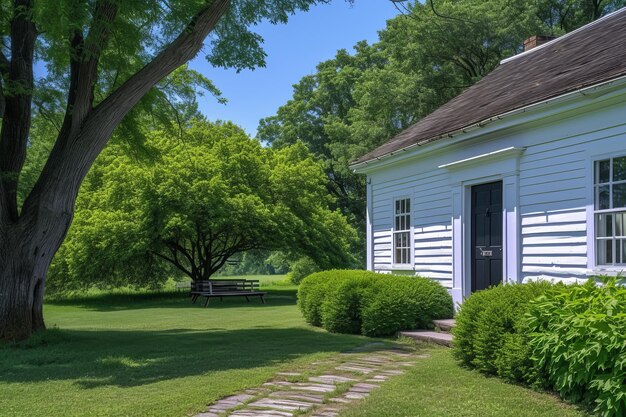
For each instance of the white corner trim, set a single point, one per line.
(484, 157)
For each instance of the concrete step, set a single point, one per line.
(444, 325)
(444, 339)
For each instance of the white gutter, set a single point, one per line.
(563, 97)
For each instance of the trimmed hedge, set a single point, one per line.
(402, 302)
(489, 330)
(343, 304)
(314, 289)
(372, 304)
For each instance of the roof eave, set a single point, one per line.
(470, 130)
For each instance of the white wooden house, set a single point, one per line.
(521, 177)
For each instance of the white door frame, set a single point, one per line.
(502, 166)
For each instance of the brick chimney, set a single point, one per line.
(535, 41)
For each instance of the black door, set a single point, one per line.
(486, 235)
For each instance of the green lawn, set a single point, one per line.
(158, 355)
(439, 387)
(136, 355)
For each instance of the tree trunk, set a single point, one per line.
(27, 247)
(22, 282)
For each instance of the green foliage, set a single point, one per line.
(139, 31)
(343, 304)
(206, 198)
(396, 303)
(371, 304)
(313, 290)
(578, 342)
(566, 338)
(301, 268)
(489, 333)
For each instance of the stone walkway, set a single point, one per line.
(323, 388)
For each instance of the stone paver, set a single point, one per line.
(282, 404)
(296, 395)
(444, 339)
(261, 413)
(331, 379)
(349, 377)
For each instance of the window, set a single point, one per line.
(402, 232)
(610, 211)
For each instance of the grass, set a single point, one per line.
(154, 354)
(170, 287)
(437, 386)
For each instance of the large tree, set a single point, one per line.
(101, 59)
(199, 202)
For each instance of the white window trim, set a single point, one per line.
(592, 260)
(609, 150)
(411, 264)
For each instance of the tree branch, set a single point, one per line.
(74, 157)
(4, 64)
(4, 70)
(90, 52)
(84, 59)
(17, 105)
(173, 262)
(177, 53)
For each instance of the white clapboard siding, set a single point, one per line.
(553, 191)
(430, 215)
(433, 249)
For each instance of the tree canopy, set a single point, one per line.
(206, 198)
(356, 101)
(108, 63)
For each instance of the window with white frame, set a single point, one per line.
(610, 211)
(402, 232)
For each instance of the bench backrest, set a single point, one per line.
(216, 286)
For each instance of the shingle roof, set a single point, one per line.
(591, 55)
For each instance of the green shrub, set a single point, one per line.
(489, 333)
(371, 304)
(578, 342)
(314, 289)
(341, 309)
(301, 269)
(396, 303)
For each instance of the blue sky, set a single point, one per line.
(293, 51)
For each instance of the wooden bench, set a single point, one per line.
(226, 288)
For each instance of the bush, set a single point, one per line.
(578, 342)
(371, 304)
(400, 302)
(301, 269)
(342, 306)
(489, 333)
(313, 290)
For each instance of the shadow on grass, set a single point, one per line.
(173, 299)
(132, 358)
